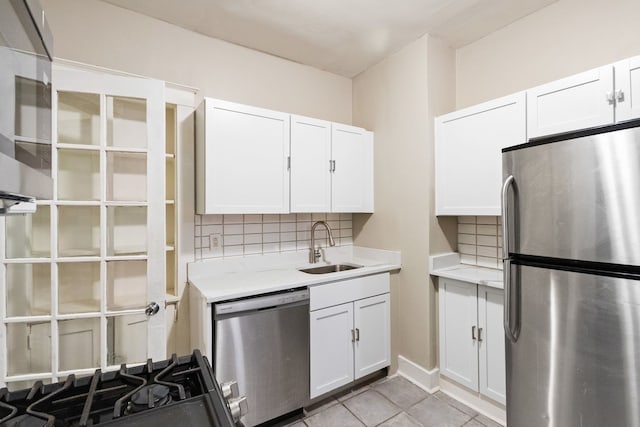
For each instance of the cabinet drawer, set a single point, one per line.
(335, 293)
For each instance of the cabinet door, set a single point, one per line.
(581, 101)
(310, 165)
(458, 327)
(241, 159)
(492, 345)
(331, 355)
(627, 93)
(373, 336)
(468, 156)
(352, 177)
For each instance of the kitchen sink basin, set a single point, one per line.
(331, 268)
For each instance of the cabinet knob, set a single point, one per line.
(609, 96)
(473, 333)
(479, 334)
(152, 309)
(619, 95)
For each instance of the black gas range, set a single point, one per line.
(181, 391)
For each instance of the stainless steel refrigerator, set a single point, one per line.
(571, 209)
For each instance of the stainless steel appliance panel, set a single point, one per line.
(577, 359)
(266, 350)
(25, 102)
(577, 199)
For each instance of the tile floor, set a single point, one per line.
(393, 402)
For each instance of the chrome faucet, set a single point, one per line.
(314, 255)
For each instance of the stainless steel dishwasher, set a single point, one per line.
(263, 344)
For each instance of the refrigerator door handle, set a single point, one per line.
(508, 182)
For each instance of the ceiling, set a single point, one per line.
(344, 37)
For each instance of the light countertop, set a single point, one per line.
(448, 266)
(224, 279)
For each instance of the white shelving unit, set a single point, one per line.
(76, 276)
(179, 211)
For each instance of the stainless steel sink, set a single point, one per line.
(331, 268)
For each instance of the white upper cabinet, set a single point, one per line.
(468, 154)
(310, 165)
(252, 160)
(352, 169)
(241, 159)
(627, 90)
(581, 101)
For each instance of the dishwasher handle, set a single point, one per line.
(261, 302)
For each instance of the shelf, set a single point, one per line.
(170, 156)
(43, 260)
(77, 203)
(127, 258)
(79, 147)
(169, 248)
(31, 140)
(79, 258)
(171, 299)
(126, 204)
(126, 150)
(170, 202)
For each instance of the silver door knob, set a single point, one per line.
(152, 309)
(238, 407)
(229, 389)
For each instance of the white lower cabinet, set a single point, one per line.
(472, 346)
(492, 344)
(349, 331)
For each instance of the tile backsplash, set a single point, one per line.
(240, 235)
(480, 240)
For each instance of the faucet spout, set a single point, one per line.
(314, 255)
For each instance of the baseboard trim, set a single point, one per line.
(424, 378)
(484, 406)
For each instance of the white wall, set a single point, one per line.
(98, 33)
(559, 40)
(393, 99)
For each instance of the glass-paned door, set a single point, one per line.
(77, 277)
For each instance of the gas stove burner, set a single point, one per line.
(151, 396)
(180, 391)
